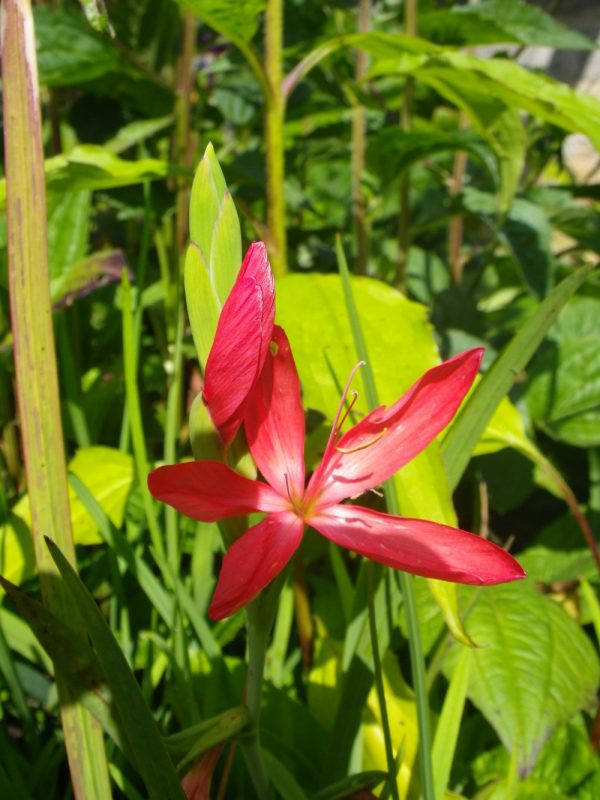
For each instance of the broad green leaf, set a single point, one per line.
(506, 82)
(563, 388)
(391, 150)
(505, 429)
(136, 132)
(400, 703)
(68, 51)
(528, 234)
(231, 19)
(401, 346)
(567, 768)
(17, 558)
(139, 728)
(471, 421)
(89, 166)
(68, 230)
(491, 21)
(534, 669)
(107, 473)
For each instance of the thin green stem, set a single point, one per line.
(274, 118)
(359, 143)
(393, 506)
(410, 28)
(140, 272)
(172, 426)
(135, 416)
(385, 721)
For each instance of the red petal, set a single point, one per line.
(254, 560)
(418, 546)
(387, 439)
(241, 342)
(274, 420)
(208, 491)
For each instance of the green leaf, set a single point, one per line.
(95, 13)
(492, 21)
(230, 18)
(214, 256)
(448, 727)
(89, 166)
(282, 779)
(323, 346)
(17, 556)
(68, 230)
(391, 150)
(137, 132)
(193, 742)
(108, 475)
(139, 728)
(87, 275)
(68, 52)
(528, 234)
(401, 347)
(505, 429)
(470, 423)
(70, 654)
(535, 668)
(563, 388)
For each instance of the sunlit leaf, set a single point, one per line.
(533, 670)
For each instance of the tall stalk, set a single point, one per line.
(410, 28)
(35, 367)
(274, 117)
(359, 141)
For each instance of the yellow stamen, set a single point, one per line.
(295, 506)
(370, 443)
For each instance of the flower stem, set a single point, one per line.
(258, 636)
(260, 615)
(391, 497)
(274, 116)
(385, 722)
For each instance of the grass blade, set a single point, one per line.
(446, 733)
(140, 730)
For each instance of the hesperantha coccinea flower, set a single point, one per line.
(353, 462)
(242, 338)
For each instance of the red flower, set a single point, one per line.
(242, 337)
(363, 457)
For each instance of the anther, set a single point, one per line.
(289, 494)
